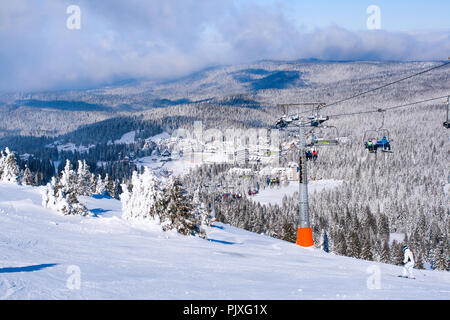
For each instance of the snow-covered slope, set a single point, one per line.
(44, 254)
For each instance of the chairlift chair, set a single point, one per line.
(378, 138)
(317, 120)
(324, 136)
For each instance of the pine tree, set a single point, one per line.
(200, 210)
(84, 179)
(98, 185)
(385, 252)
(366, 250)
(2, 164)
(61, 194)
(289, 232)
(28, 177)
(9, 171)
(139, 200)
(93, 184)
(325, 246)
(68, 179)
(353, 245)
(340, 244)
(51, 194)
(383, 226)
(441, 258)
(396, 253)
(111, 186)
(55, 198)
(178, 212)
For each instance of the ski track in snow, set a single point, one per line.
(120, 259)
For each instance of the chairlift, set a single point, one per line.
(317, 120)
(324, 136)
(378, 138)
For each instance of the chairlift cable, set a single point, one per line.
(387, 109)
(388, 84)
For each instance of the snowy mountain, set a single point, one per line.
(45, 255)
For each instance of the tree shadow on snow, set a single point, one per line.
(101, 196)
(98, 211)
(36, 267)
(221, 241)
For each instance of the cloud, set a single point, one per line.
(169, 38)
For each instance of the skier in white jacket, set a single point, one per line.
(408, 263)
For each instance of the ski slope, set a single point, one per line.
(44, 255)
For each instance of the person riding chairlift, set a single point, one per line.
(384, 142)
(314, 154)
(372, 145)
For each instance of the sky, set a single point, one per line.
(45, 46)
(397, 15)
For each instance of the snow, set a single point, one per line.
(176, 167)
(45, 255)
(159, 137)
(69, 147)
(127, 138)
(274, 195)
(397, 237)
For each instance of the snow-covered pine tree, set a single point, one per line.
(2, 163)
(9, 171)
(68, 179)
(51, 195)
(353, 245)
(200, 210)
(111, 186)
(93, 183)
(441, 258)
(177, 211)
(27, 177)
(54, 198)
(396, 253)
(366, 249)
(100, 187)
(288, 232)
(384, 255)
(84, 179)
(139, 201)
(61, 194)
